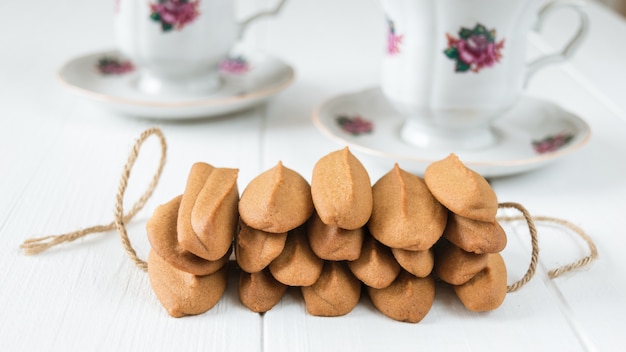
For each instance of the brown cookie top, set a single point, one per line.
(214, 215)
(461, 190)
(405, 214)
(195, 182)
(277, 201)
(342, 191)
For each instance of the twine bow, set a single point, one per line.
(37, 245)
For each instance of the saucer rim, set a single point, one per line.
(537, 160)
(209, 101)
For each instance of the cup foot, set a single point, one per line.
(430, 137)
(199, 85)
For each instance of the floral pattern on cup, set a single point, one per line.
(393, 39)
(235, 65)
(475, 49)
(108, 65)
(552, 143)
(174, 14)
(355, 125)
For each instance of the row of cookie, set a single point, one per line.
(280, 200)
(312, 256)
(401, 211)
(404, 280)
(275, 249)
(337, 207)
(333, 288)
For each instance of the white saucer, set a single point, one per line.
(265, 77)
(531, 121)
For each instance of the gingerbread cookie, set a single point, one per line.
(333, 243)
(335, 293)
(474, 235)
(260, 291)
(405, 214)
(161, 229)
(256, 249)
(418, 263)
(461, 190)
(407, 299)
(195, 182)
(182, 293)
(297, 265)
(376, 267)
(342, 190)
(277, 201)
(487, 289)
(456, 266)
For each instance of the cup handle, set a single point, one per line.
(244, 24)
(573, 44)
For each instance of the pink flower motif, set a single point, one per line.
(235, 65)
(114, 66)
(393, 40)
(478, 52)
(393, 43)
(174, 14)
(552, 143)
(355, 125)
(475, 49)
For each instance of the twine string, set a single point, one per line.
(120, 219)
(534, 257)
(593, 250)
(37, 245)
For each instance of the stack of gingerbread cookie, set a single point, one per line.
(271, 247)
(407, 221)
(331, 239)
(191, 238)
(300, 235)
(468, 257)
(342, 195)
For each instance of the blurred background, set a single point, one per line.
(618, 5)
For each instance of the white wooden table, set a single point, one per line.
(61, 156)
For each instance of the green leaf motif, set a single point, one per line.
(465, 33)
(462, 66)
(342, 120)
(155, 16)
(452, 52)
(480, 29)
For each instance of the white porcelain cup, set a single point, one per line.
(453, 66)
(177, 45)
